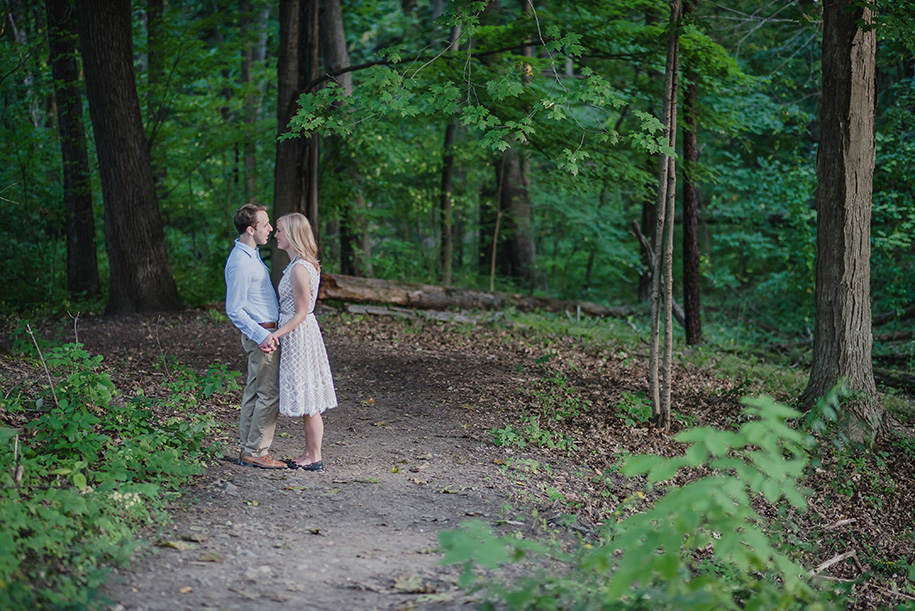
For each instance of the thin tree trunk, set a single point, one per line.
(845, 168)
(141, 278)
(82, 259)
(495, 232)
(15, 25)
(664, 236)
(649, 206)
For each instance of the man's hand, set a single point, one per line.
(270, 344)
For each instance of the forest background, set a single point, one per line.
(557, 137)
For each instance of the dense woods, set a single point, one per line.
(425, 131)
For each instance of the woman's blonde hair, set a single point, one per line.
(301, 237)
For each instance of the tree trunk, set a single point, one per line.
(82, 261)
(845, 169)
(446, 221)
(16, 26)
(516, 201)
(649, 206)
(289, 178)
(336, 57)
(141, 279)
(691, 299)
(661, 390)
(446, 217)
(517, 224)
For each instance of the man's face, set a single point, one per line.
(261, 231)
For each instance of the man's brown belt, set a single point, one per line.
(268, 325)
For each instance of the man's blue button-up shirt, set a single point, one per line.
(250, 298)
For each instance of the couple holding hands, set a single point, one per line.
(288, 370)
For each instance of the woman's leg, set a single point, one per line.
(314, 435)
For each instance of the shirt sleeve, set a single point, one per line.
(237, 286)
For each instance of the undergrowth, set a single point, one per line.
(701, 545)
(81, 477)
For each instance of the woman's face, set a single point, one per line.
(281, 241)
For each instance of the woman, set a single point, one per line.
(306, 384)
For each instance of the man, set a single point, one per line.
(252, 306)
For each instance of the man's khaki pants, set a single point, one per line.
(261, 400)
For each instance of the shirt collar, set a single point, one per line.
(251, 252)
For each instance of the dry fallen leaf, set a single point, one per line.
(196, 538)
(412, 584)
(186, 590)
(179, 545)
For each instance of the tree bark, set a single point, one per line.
(141, 278)
(82, 259)
(291, 178)
(515, 202)
(845, 170)
(691, 297)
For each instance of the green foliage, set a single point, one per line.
(702, 545)
(530, 431)
(582, 108)
(94, 469)
(554, 400)
(634, 409)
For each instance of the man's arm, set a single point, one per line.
(237, 287)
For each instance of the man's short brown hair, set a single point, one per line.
(247, 216)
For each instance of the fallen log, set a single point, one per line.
(895, 379)
(431, 297)
(881, 319)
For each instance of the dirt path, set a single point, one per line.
(399, 468)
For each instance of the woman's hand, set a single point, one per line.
(271, 343)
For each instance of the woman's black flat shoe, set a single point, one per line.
(313, 466)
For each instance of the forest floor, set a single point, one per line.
(410, 452)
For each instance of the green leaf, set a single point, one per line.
(7, 434)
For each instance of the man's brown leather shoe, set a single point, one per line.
(264, 462)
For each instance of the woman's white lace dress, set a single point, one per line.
(306, 384)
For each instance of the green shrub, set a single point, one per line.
(701, 545)
(93, 470)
